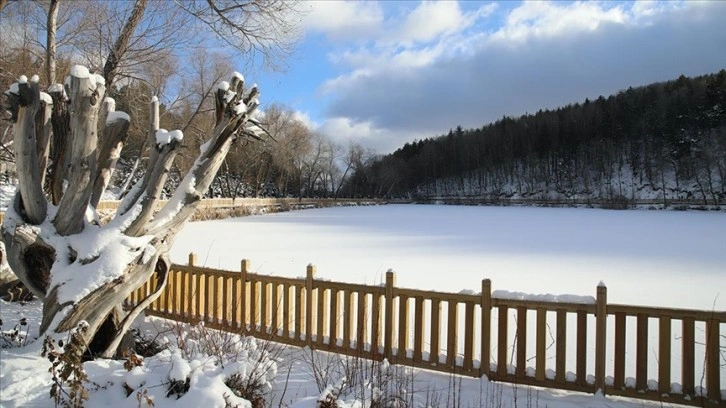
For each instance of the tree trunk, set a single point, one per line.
(110, 69)
(83, 271)
(50, 41)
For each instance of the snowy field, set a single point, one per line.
(658, 258)
(654, 258)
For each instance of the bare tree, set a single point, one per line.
(353, 159)
(258, 29)
(82, 270)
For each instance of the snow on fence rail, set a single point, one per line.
(453, 332)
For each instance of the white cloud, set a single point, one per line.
(549, 19)
(543, 55)
(343, 130)
(343, 20)
(416, 38)
(429, 20)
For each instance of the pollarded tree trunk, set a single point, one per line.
(83, 271)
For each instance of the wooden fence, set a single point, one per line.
(455, 332)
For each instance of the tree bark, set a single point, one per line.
(60, 122)
(85, 97)
(50, 41)
(114, 135)
(31, 201)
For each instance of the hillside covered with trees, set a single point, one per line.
(664, 141)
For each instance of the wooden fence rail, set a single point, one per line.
(462, 333)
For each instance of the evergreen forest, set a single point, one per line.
(665, 141)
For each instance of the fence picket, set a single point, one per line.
(469, 336)
(376, 325)
(403, 327)
(362, 322)
(286, 310)
(561, 345)
(541, 343)
(581, 374)
(309, 302)
(266, 300)
(435, 331)
(276, 310)
(521, 370)
(713, 363)
(502, 342)
(641, 354)
(347, 317)
(323, 297)
(334, 316)
(419, 328)
(664, 355)
(689, 343)
(619, 374)
(452, 335)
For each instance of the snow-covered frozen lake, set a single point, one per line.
(656, 258)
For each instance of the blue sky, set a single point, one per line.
(385, 73)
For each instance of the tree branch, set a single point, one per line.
(190, 191)
(86, 93)
(60, 120)
(43, 130)
(157, 178)
(26, 103)
(29, 257)
(162, 271)
(114, 135)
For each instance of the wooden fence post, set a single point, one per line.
(244, 269)
(713, 362)
(388, 339)
(192, 259)
(601, 318)
(309, 304)
(486, 327)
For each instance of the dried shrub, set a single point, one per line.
(15, 337)
(68, 375)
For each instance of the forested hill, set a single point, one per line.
(665, 138)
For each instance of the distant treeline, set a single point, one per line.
(662, 141)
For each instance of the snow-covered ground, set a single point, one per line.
(658, 258)
(654, 258)
(298, 379)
